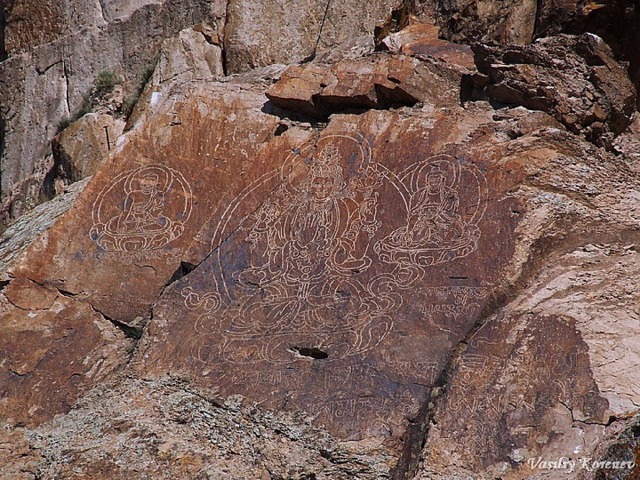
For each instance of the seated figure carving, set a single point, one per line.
(306, 243)
(434, 231)
(144, 220)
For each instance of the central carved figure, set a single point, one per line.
(306, 244)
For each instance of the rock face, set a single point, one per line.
(57, 52)
(305, 302)
(254, 31)
(414, 263)
(594, 97)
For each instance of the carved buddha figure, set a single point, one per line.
(304, 249)
(433, 219)
(433, 215)
(156, 204)
(142, 211)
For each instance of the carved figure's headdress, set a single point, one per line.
(326, 164)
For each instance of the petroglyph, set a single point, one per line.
(436, 229)
(335, 283)
(301, 272)
(141, 210)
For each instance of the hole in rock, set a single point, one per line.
(311, 352)
(280, 129)
(183, 270)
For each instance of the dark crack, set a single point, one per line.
(134, 333)
(225, 35)
(3, 52)
(49, 67)
(311, 352)
(67, 71)
(183, 270)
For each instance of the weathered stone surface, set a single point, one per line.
(375, 82)
(628, 144)
(21, 234)
(409, 285)
(621, 447)
(509, 22)
(522, 21)
(71, 347)
(48, 82)
(563, 333)
(31, 24)
(260, 33)
(138, 227)
(333, 288)
(588, 91)
(167, 429)
(147, 215)
(80, 149)
(522, 394)
(195, 54)
(500, 427)
(17, 456)
(423, 39)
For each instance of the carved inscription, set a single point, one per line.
(329, 287)
(316, 266)
(506, 386)
(141, 210)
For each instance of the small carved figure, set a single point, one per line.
(156, 206)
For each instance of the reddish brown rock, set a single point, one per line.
(70, 348)
(17, 456)
(418, 272)
(423, 39)
(593, 96)
(375, 82)
(512, 396)
(342, 274)
(145, 217)
(136, 223)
